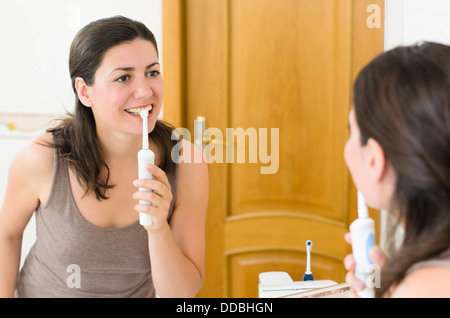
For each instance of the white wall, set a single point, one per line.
(35, 83)
(36, 36)
(411, 21)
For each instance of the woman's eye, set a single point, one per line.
(153, 73)
(123, 79)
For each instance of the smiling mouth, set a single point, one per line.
(138, 110)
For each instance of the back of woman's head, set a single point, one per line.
(402, 100)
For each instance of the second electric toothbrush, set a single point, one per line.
(363, 238)
(308, 274)
(145, 156)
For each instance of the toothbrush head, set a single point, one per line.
(144, 114)
(308, 245)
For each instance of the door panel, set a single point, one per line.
(283, 75)
(262, 65)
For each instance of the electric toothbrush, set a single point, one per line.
(145, 156)
(363, 238)
(308, 274)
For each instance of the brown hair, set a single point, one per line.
(402, 100)
(75, 138)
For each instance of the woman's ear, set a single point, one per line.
(83, 92)
(376, 159)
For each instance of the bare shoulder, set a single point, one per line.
(35, 159)
(192, 185)
(193, 170)
(29, 178)
(41, 148)
(430, 281)
(32, 167)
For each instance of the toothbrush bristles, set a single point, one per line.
(144, 114)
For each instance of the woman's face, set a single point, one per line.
(369, 168)
(127, 80)
(354, 156)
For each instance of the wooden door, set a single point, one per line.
(286, 65)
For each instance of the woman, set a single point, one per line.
(80, 178)
(398, 154)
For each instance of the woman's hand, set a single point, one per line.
(160, 198)
(378, 258)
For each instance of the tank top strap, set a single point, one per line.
(60, 187)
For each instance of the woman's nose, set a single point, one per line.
(142, 89)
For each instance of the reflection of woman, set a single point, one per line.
(84, 191)
(398, 154)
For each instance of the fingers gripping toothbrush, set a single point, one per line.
(145, 156)
(363, 238)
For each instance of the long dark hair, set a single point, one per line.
(75, 138)
(402, 100)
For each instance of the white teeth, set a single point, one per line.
(139, 110)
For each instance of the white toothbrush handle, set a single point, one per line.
(145, 156)
(363, 238)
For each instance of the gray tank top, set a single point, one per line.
(74, 258)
